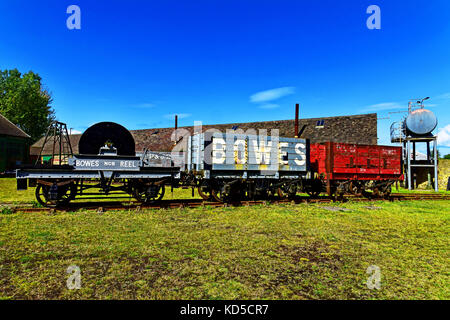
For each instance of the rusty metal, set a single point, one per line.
(59, 184)
(195, 203)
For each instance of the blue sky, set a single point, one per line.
(220, 61)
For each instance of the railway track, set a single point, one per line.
(195, 203)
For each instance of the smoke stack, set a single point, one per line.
(176, 127)
(296, 120)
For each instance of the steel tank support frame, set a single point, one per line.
(409, 144)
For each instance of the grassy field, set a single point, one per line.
(263, 252)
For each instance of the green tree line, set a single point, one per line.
(25, 102)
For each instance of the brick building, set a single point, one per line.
(360, 129)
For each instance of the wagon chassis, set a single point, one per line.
(58, 186)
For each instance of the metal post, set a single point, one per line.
(54, 143)
(404, 163)
(429, 180)
(60, 141)
(176, 127)
(436, 182)
(409, 164)
(296, 120)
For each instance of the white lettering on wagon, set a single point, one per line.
(128, 164)
(219, 147)
(283, 153)
(240, 148)
(299, 147)
(262, 151)
(259, 151)
(87, 163)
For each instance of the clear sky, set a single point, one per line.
(140, 62)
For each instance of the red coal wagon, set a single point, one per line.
(354, 168)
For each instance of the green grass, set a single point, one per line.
(274, 252)
(10, 194)
(403, 190)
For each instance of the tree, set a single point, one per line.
(25, 102)
(447, 156)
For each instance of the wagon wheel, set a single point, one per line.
(313, 193)
(338, 192)
(149, 193)
(354, 188)
(261, 190)
(339, 196)
(64, 195)
(387, 191)
(281, 193)
(314, 189)
(204, 190)
(220, 192)
(288, 191)
(250, 192)
(377, 193)
(261, 194)
(223, 191)
(365, 193)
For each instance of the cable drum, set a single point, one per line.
(421, 122)
(102, 133)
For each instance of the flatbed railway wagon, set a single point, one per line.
(231, 166)
(107, 162)
(356, 169)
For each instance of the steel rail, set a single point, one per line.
(195, 203)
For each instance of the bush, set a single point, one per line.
(6, 210)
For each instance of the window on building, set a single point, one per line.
(320, 123)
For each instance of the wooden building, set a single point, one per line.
(14, 145)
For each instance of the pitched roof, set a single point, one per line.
(10, 129)
(347, 129)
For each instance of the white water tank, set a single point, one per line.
(421, 122)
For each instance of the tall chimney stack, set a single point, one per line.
(176, 127)
(296, 120)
